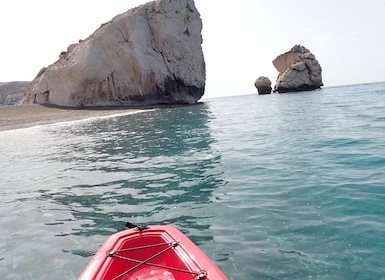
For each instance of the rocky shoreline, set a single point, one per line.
(25, 116)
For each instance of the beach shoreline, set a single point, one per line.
(25, 116)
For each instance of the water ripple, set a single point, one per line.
(286, 186)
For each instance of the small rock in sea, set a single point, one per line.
(263, 85)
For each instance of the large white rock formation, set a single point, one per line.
(298, 70)
(148, 55)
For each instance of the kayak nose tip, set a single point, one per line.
(175, 243)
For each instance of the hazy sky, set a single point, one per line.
(240, 38)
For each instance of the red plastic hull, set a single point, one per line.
(156, 253)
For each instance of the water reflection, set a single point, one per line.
(154, 167)
(66, 187)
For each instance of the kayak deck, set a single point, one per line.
(154, 253)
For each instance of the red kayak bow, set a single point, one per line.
(150, 253)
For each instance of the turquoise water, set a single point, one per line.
(283, 186)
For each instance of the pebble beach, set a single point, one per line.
(24, 116)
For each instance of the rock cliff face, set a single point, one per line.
(12, 92)
(149, 55)
(298, 70)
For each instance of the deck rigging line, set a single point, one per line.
(111, 253)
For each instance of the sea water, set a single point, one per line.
(280, 186)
